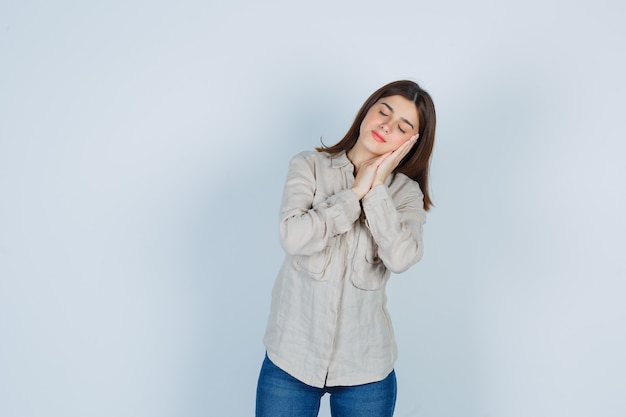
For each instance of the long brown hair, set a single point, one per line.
(416, 163)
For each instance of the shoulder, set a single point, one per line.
(309, 155)
(310, 158)
(403, 184)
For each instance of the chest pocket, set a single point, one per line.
(368, 271)
(314, 265)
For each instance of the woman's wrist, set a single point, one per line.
(359, 193)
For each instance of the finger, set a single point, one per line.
(412, 140)
(406, 146)
(404, 149)
(382, 158)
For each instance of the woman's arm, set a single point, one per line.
(306, 228)
(396, 226)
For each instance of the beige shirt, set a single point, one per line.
(328, 323)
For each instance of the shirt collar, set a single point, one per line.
(340, 160)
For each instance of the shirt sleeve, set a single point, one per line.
(396, 226)
(306, 228)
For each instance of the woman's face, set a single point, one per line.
(389, 123)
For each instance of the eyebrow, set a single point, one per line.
(402, 118)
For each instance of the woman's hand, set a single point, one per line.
(388, 164)
(365, 175)
(374, 171)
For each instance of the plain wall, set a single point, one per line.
(143, 149)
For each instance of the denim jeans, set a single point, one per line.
(281, 395)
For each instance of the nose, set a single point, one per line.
(384, 127)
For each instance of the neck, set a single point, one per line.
(357, 155)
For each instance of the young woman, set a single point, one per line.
(350, 214)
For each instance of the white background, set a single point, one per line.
(143, 148)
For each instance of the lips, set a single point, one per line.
(377, 137)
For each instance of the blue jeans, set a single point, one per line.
(281, 395)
